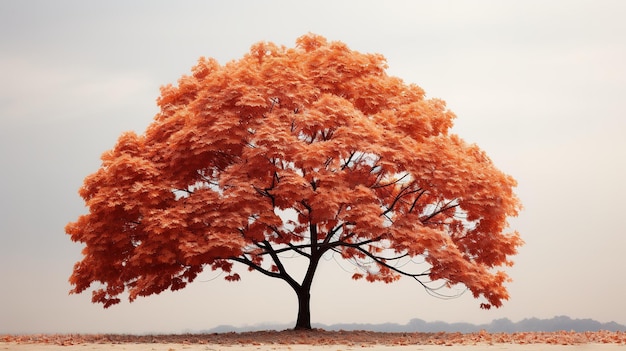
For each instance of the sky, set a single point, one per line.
(538, 85)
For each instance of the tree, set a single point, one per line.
(312, 150)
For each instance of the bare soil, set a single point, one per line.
(322, 337)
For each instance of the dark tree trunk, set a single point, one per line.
(304, 294)
(304, 290)
(304, 310)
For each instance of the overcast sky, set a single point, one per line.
(539, 85)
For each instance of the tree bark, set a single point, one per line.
(304, 310)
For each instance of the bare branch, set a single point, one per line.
(342, 242)
(390, 183)
(416, 199)
(444, 208)
(290, 246)
(334, 231)
(348, 160)
(382, 262)
(247, 262)
(267, 246)
(403, 192)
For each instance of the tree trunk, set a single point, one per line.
(304, 309)
(304, 290)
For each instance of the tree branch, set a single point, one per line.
(281, 274)
(313, 240)
(416, 199)
(348, 160)
(291, 247)
(246, 261)
(334, 231)
(390, 183)
(339, 243)
(269, 249)
(441, 210)
(381, 262)
(400, 195)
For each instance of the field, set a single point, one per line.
(319, 340)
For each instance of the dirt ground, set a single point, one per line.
(318, 337)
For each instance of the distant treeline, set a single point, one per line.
(503, 325)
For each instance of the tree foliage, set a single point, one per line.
(313, 150)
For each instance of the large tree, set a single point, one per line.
(312, 150)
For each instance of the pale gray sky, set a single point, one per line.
(539, 85)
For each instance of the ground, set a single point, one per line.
(319, 337)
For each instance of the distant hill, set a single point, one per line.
(503, 325)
